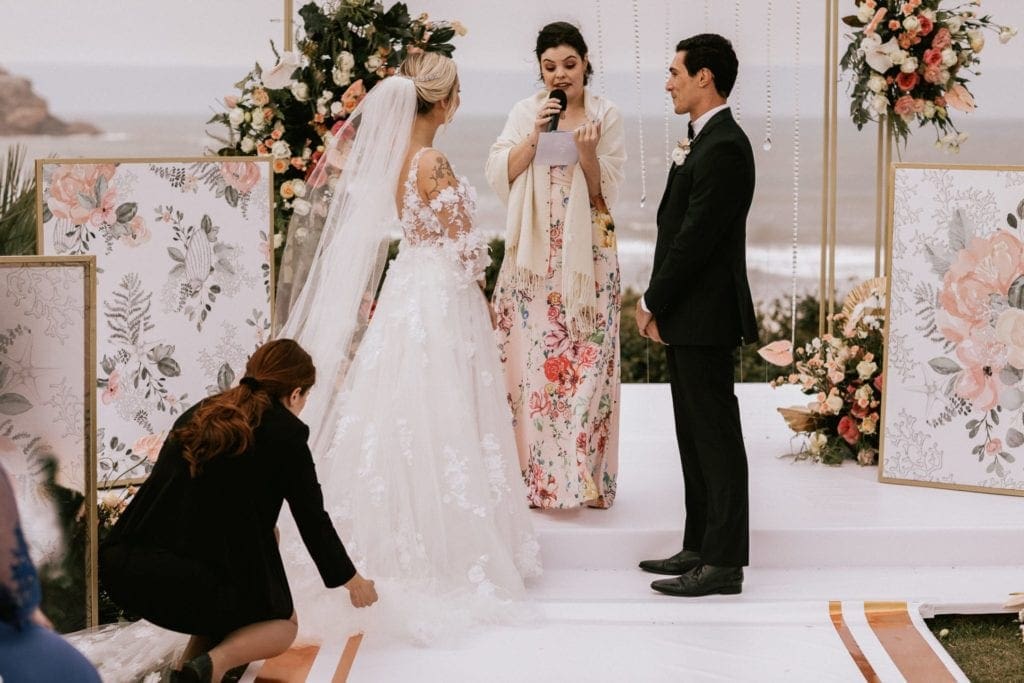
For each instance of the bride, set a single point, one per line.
(413, 437)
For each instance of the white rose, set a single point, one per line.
(301, 207)
(876, 83)
(300, 90)
(374, 62)
(346, 62)
(909, 65)
(817, 443)
(929, 109)
(977, 39)
(299, 188)
(258, 120)
(866, 368)
(248, 145)
(864, 13)
(948, 57)
(1006, 34)
(337, 108)
(341, 76)
(236, 116)
(898, 56)
(879, 104)
(281, 150)
(954, 23)
(911, 23)
(278, 240)
(326, 96)
(321, 109)
(111, 499)
(834, 403)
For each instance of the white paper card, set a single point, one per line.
(557, 148)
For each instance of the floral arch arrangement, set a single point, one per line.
(291, 111)
(910, 61)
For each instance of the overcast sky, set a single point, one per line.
(76, 35)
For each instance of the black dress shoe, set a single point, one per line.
(234, 675)
(196, 670)
(704, 580)
(680, 563)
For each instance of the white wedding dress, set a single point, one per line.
(421, 477)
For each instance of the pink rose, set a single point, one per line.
(848, 430)
(149, 446)
(933, 74)
(993, 446)
(241, 175)
(942, 39)
(925, 25)
(587, 355)
(932, 57)
(904, 106)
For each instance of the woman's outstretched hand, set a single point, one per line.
(361, 591)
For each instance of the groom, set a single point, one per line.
(698, 304)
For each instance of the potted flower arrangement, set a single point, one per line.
(843, 373)
(910, 60)
(290, 112)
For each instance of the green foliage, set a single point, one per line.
(17, 206)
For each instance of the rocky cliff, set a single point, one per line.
(23, 112)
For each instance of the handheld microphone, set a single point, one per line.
(559, 95)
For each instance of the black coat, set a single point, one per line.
(198, 555)
(699, 293)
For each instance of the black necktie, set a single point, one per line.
(689, 130)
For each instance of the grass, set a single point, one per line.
(17, 205)
(987, 647)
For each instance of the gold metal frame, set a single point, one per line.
(829, 177)
(88, 265)
(289, 31)
(890, 221)
(40, 236)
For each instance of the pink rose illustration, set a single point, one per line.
(241, 175)
(987, 266)
(70, 183)
(113, 389)
(982, 356)
(149, 446)
(139, 232)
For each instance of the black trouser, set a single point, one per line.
(712, 454)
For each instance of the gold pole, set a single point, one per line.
(880, 170)
(289, 10)
(888, 196)
(833, 158)
(827, 132)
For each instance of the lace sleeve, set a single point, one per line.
(453, 203)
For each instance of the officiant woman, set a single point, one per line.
(557, 298)
(195, 551)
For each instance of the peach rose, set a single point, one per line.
(241, 175)
(982, 356)
(943, 39)
(71, 180)
(926, 25)
(907, 81)
(139, 232)
(987, 266)
(904, 107)
(149, 446)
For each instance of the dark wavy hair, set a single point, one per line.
(713, 52)
(563, 33)
(224, 423)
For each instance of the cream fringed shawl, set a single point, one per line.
(527, 229)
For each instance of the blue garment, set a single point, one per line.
(29, 653)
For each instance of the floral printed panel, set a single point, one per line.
(954, 382)
(46, 441)
(184, 282)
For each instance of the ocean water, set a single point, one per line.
(788, 192)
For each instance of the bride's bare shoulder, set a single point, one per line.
(434, 174)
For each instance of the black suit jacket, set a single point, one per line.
(224, 520)
(699, 293)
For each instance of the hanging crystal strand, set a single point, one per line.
(735, 104)
(669, 54)
(796, 169)
(767, 145)
(707, 15)
(639, 101)
(600, 50)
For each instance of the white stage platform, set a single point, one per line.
(820, 536)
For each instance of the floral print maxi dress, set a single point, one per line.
(564, 394)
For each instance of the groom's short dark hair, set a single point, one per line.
(713, 52)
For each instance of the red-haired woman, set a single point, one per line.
(195, 551)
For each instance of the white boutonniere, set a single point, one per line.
(680, 151)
